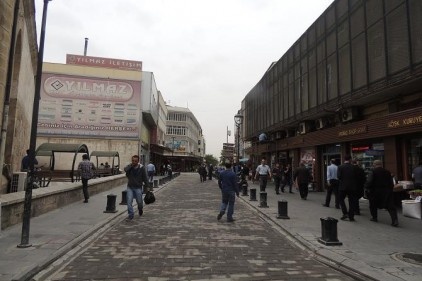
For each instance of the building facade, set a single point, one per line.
(105, 106)
(351, 84)
(185, 139)
(18, 63)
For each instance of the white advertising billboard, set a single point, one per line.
(88, 107)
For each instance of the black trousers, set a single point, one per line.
(303, 190)
(262, 182)
(85, 188)
(373, 208)
(332, 189)
(351, 195)
(277, 181)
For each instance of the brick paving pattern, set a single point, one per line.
(179, 238)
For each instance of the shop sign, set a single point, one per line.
(352, 131)
(360, 148)
(409, 121)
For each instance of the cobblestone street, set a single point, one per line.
(179, 238)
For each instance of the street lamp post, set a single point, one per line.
(33, 139)
(238, 118)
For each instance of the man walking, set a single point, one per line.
(263, 171)
(302, 177)
(379, 186)
(277, 174)
(86, 171)
(332, 184)
(348, 177)
(137, 177)
(151, 172)
(229, 188)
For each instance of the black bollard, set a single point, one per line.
(111, 204)
(245, 189)
(252, 194)
(329, 232)
(124, 201)
(263, 199)
(282, 210)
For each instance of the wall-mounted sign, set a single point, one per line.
(409, 121)
(353, 131)
(88, 107)
(104, 62)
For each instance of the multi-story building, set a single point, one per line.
(18, 67)
(185, 139)
(107, 104)
(351, 84)
(158, 143)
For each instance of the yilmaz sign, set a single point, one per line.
(89, 107)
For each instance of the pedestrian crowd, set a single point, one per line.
(346, 181)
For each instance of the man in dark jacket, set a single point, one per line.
(229, 189)
(348, 176)
(379, 186)
(137, 177)
(302, 177)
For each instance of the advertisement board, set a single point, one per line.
(88, 107)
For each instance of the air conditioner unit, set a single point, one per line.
(321, 123)
(18, 181)
(304, 128)
(301, 129)
(349, 114)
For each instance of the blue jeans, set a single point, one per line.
(228, 199)
(150, 176)
(130, 194)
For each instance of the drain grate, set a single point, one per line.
(410, 257)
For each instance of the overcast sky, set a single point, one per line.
(205, 55)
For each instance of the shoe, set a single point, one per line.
(291, 192)
(230, 220)
(141, 212)
(395, 223)
(344, 217)
(325, 205)
(85, 201)
(277, 193)
(373, 219)
(129, 219)
(220, 215)
(337, 207)
(351, 219)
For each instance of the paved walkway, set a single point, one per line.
(60, 236)
(179, 238)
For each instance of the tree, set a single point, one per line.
(211, 159)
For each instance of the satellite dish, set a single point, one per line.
(262, 137)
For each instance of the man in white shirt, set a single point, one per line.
(150, 172)
(263, 171)
(332, 184)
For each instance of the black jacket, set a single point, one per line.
(380, 186)
(348, 176)
(136, 176)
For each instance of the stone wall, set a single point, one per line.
(50, 198)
